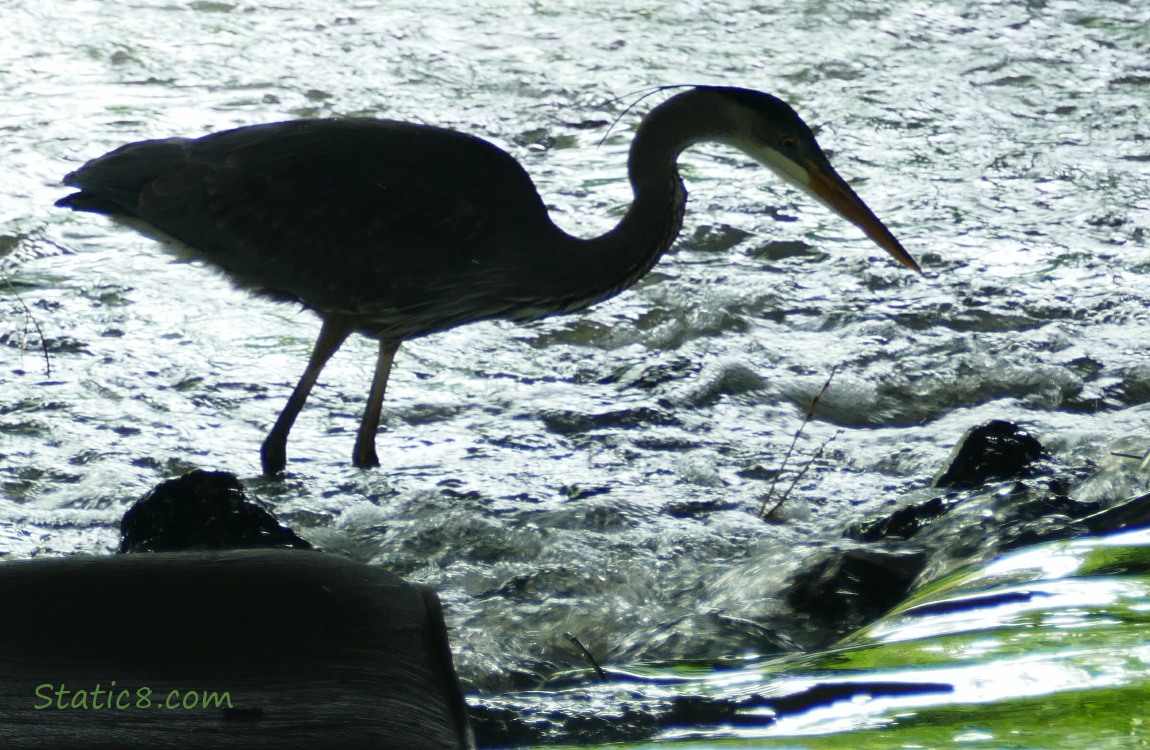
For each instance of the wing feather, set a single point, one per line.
(339, 214)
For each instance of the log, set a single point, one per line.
(249, 649)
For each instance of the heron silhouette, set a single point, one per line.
(398, 230)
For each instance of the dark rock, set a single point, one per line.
(653, 376)
(994, 450)
(1043, 511)
(1022, 496)
(572, 423)
(783, 249)
(720, 238)
(1131, 514)
(203, 510)
(698, 508)
(905, 522)
(759, 472)
(843, 589)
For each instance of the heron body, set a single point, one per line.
(398, 230)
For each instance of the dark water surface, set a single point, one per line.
(597, 473)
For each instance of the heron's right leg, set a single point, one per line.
(332, 334)
(364, 455)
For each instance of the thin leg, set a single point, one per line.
(273, 454)
(364, 455)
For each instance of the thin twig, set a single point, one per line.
(35, 324)
(1142, 458)
(587, 655)
(798, 477)
(810, 415)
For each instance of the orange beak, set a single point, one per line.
(833, 191)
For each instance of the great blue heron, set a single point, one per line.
(397, 230)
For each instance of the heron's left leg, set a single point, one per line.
(364, 455)
(273, 453)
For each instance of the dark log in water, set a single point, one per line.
(243, 648)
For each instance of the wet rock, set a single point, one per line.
(842, 589)
(1131, 514)
(650, 377)
(996, 517)
(994, 450)
(698, 508)
(1009, 493)
(572, 423)
(1041, 510)
(784, 249)
(718, 238)
(905, 522)
(199, 511)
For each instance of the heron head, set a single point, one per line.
(768, 130)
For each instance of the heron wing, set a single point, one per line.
(339, 214)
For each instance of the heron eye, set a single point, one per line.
(789, 143)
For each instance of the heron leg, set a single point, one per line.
(364, 455)
(273, 453)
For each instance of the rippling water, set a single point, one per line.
(596, 473)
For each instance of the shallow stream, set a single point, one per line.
(598, 473)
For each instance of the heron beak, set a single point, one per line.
(824, 184)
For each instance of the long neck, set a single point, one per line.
(598, 268)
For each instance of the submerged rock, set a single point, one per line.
(842, 589)
(1002, 490)
(1125, 516)
(1003, 475)
(1007, 492)
(905, 522)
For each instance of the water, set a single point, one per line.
(1043, 648)
(596, 473)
